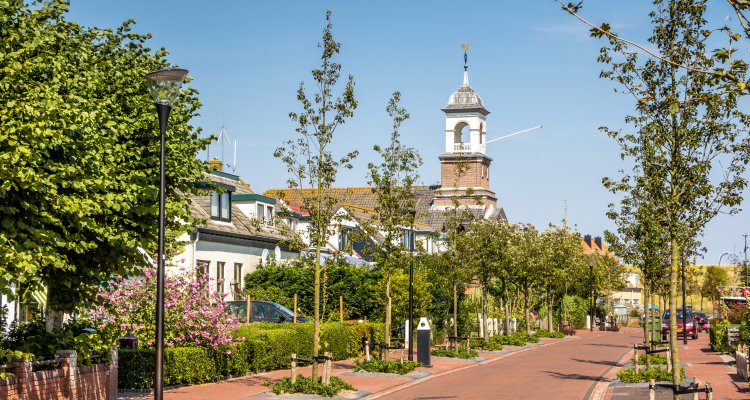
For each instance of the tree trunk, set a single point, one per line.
(549, 310)
(673, 273)
(486, 334)
(316, 319)
(527, 307)
(387, 335)
(455, 309)
(647, 326)
(507, 309)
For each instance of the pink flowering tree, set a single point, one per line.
(193, 317)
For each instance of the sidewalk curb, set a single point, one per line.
(599, 389)
(406, 385)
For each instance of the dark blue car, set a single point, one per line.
(262, 311)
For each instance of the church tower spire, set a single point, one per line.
(465, 168)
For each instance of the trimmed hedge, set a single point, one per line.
(266, 347)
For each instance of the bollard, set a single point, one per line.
(341, 308)
(710, 395)
(423, 342)
(367, 350)
(295, 307)
(635, 357)
(294, 368)
(249, 309)
(651, 389)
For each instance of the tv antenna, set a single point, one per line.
(224, 139)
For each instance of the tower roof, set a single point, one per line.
(464, 96)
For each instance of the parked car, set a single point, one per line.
(700, 319)
(690, 330)
(262, 311)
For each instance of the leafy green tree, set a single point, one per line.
(480, 250)
(308, 159)
(79, 153)
(392, 182)
(685, 124)
(713, 277)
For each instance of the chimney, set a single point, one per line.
(587, 239)
(215, 165)
(598, 241)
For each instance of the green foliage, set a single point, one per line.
(574, 310)
(309, 386)
(454, 353)
(33, 339)
(644, 375)
(79, 153)
(489, 345)
(514, 339)
(543, 333)
(385, 366)
(656, 359)
(718, 335)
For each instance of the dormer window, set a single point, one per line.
(221, 206)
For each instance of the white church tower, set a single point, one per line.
(465, 166)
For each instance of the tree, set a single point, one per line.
(309, 161)
(685, 123)
(79, 153)
(483, 249)
(562, 259)
(527, 265)
(714, 277)
(392, 182)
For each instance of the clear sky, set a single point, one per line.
(531, 63)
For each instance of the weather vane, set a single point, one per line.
(466, 57)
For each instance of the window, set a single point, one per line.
(221, 205)
(201, 268)
(237, 282)
(220, 277)
(343, 239)
(407, 239)
(260, 212)
(269, 215)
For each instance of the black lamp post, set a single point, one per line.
(165, 89)
(412, 238)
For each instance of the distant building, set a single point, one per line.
(628, 297)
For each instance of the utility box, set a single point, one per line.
(424, 344)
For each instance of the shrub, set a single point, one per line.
(718, 335)
(489, 345)
(657, 374)
(32, 339)
(543, 333)
(385, 366)
(192, 317)
(656, 359)
(308, 386)
(454, 353)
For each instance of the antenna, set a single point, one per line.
(514, 134)
(224, 138)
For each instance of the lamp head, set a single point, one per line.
(165, 84)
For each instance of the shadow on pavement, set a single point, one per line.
(609, 363)
(573, 376)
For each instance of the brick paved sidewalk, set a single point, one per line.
(705, 365)
(246, 387)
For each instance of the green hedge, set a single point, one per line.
(266, 347)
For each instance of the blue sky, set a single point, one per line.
(531, 63)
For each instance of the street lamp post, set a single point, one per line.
(412, 238)
(165, 89)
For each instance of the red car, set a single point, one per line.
(691, 329)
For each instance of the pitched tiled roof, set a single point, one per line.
(363, 198)
(200, 208)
